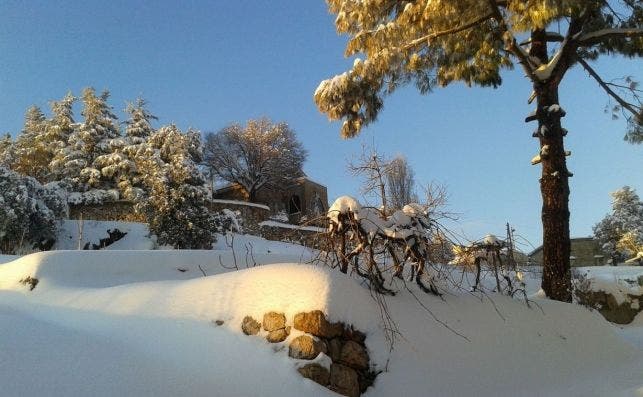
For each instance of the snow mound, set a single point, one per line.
(160, 323)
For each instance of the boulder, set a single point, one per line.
(354, 355)
(250, 326)
(608, 306)
(278, 335)
(351, 333)
(273, 321)
(315, 323)
(306, 348)
(316, 373)
(335, 349)
(343, 380)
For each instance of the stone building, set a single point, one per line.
(585, 251)
(303, 200)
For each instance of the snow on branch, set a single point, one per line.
(603, 34)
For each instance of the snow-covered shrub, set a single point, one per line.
(495, 255)
(93, 196)
(228, 221)
(28, 212)
(408, 235)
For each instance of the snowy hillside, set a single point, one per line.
(142, 323)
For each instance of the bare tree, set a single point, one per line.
(258, 155)
(372, 167)
(400, 183)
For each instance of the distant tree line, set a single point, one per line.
(160, 170)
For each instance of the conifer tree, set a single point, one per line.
(433, 43)
(58, 130)
(621, 232)
(119, 164)
(31, 154)
(176, 204)
(90, 140)
(6, 151)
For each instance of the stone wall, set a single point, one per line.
(113, 211)
(251, 214)
(308, 236)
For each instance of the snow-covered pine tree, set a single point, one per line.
(119, 164)
(28, 212)
(6, 150)
(58, 130)
(176, 205)
(621, 232)
(89, 141)
(31, 154)
(435, 43)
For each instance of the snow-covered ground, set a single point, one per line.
(141, 323)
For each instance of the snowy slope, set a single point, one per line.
(130, 324)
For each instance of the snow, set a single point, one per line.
(130, 323)
(290, 226)
(619, 281)
(137, 237)
(543, 72)
(343, 205)
(247, 204)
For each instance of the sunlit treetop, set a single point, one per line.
(435, 42)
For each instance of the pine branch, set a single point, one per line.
(457, 29)
(626, 105)
(510, 43)
(599, 36)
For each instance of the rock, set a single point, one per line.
(305, 347)
(273, 321)
(335, 349)
(609, 307)
(354, 355)
(250, 326)
(315, 323)
(343, 380)
(316, 373)
(278, 335)
(219, 322)
(352, 334)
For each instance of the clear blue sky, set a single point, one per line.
(205, 64)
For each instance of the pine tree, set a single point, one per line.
(31, 153)
(621, 232)
(176, 205)
(434, 43)
(58, 130)
(89, 141)
(119, 164)
(6, 151)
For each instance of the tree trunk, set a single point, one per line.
(554, 184)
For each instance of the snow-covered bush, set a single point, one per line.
(495, 255)
(28, 212)
(228, 221)
(408, 235)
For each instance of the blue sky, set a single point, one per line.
(205, 64)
